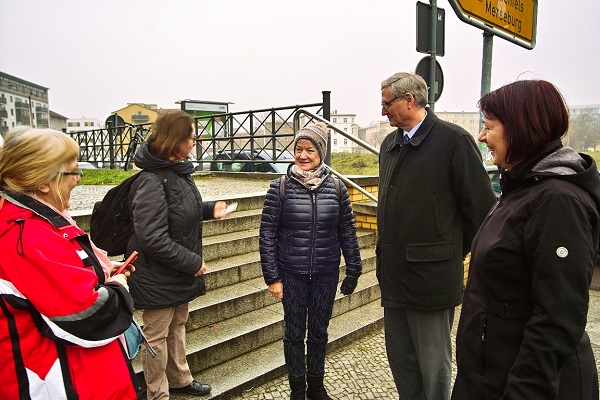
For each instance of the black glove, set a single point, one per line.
(348, 284)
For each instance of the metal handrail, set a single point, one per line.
(358, 141)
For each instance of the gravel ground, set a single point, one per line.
(83, 197)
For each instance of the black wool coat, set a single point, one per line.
(433, 194)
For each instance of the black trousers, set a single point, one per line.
(303, 297)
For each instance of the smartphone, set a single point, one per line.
(231, 208)
(127, 263)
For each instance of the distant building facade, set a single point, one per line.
(138, 113)
(591, 109)
(83, 124)
(374, 133)
(344, 122)
(58, 121)
(468, 120)
(22, 103)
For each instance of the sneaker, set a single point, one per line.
(195, 389)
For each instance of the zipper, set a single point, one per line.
(313, 196)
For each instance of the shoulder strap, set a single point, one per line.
(282, 188)
(337, 186)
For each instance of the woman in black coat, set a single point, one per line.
(304, 226)
(167, 212)
(521, 333)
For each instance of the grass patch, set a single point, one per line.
(345, 163)
(595, 155)
(355, 163)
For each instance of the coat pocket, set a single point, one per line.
(426, 252)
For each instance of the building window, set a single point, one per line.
(89, 123)
(345, 120)
(335, 142)
(345, 142)
(334, 120)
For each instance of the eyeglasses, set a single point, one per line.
(386, 104)
(78, 171)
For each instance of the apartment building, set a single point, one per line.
(344, 122)
(22, 103)
(83, 124)
(468, 120)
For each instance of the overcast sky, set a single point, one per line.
(97, 56)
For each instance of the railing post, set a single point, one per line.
(327, 116)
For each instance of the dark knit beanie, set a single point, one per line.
(317, 134)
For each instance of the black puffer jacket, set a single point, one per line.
(304, 234)
(522, 326)
(167, 214)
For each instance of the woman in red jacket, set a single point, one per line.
(60, 313)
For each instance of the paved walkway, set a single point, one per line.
(361, 371)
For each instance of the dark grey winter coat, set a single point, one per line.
(167, 214)
(307, 233)
(522, 326)
(433, 195)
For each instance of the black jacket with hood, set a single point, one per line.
(167, 211)
(522, 327)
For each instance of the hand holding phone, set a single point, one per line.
(127, 263)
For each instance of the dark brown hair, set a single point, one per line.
(533, 113)
(172, 127)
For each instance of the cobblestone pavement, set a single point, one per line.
(361, 371)
(355, 372)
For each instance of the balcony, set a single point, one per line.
(3, 129)
(41, 109)
(42, 119)
(2, 100)
(23, 105)
(3, 113)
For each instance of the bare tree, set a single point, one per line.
(584, 132)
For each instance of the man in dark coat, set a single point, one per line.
(433, 195)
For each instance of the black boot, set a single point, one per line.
(316, 390)
(298, 387)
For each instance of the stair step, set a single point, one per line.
(253, 326)
(245, 241)
(267, 362)
(240, 295)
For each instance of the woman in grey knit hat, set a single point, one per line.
(307, 223)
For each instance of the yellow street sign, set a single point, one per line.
(516, 18)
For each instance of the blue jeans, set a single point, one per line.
(313, 298)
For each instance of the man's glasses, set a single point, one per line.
(386, 104)
(78, 171)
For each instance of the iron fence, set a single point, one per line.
(265, 132)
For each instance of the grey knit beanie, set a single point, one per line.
(317, 134)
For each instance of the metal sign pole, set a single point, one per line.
(433, 49)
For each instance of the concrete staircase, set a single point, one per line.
(234, 332)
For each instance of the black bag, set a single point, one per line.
(110, 223)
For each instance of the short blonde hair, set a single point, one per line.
(31, 158)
